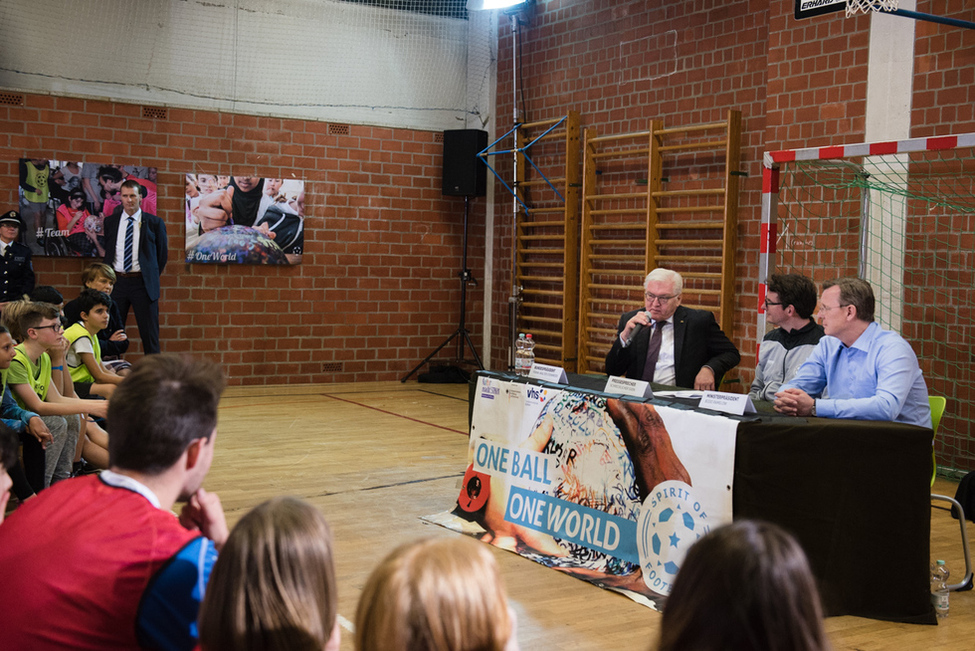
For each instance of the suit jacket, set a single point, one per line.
(153, 249)
(698, 341)
(16, 273)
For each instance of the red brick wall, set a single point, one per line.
(623, 63)
(798, 83)
(944, 72)
(378, 287)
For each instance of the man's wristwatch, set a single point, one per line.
(813, 412)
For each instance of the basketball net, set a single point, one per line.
(854, 7)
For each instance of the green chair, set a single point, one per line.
(937, 411)
(938, 404)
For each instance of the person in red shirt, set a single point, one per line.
(101, 561)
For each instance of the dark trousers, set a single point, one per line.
(132, 291)
(28, 478)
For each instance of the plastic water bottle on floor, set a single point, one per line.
(529, 353)
(939, 588)
(520, 367)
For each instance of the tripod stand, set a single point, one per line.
(461, 331)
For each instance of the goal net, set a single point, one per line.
(900, 215)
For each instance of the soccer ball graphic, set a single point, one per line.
(670, 521)
(672, 528)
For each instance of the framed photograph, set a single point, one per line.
(244, 219)
(63, 204)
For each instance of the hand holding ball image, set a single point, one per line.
(236, 244)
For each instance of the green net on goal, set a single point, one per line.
(905, 223)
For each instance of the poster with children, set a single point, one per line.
(244, 219)
(63, 204)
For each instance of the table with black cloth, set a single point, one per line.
(854, 493)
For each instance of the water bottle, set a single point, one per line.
(520, 355)
(939, 589)
(529, 353)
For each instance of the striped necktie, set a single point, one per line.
(129, 232)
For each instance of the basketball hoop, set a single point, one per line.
(854, 7)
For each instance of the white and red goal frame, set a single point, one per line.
(771, 161)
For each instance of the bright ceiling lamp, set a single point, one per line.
(479, 5)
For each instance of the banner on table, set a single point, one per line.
(610, 491)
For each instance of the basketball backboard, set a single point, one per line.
(809, 8)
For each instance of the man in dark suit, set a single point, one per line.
(16, 272)
(668, 343)
(136, 248)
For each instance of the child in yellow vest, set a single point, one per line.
(84, 358)
(38, 383)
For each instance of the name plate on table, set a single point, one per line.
(729, 403)
(626, 387)
(548, 373)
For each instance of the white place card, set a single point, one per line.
(548, 373)
(729, 403)
(626, 387)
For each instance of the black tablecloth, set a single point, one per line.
(854, 493)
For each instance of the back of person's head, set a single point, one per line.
(795, 290)
(89, 298)
(440, 594)
(46, 294)
(162, 406)
(273, 585)
(746, 586)
(856, 292)
(20, 316)
(666, 275)
(10, 317)
(97, 270)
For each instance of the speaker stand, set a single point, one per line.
(465, 277)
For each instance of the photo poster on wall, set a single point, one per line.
(63, 204)
(244, 219)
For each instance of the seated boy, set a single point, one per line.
(84, 357)
(38, 383)
(101, 277)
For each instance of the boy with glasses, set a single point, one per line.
(37, 379)
(789, 304)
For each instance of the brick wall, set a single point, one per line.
(621, 64)
(378, 287)
(944, 72)
(798, 83)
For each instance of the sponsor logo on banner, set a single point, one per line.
(489, 389)
(671, 520)
(535, 395)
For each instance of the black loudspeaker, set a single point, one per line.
(464, 174)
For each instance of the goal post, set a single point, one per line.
(900, 215)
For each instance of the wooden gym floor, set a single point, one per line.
(374, 457)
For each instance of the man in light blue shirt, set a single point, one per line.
(870, 373)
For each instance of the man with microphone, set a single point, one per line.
(668, 343)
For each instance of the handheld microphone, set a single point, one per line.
(637, 329)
